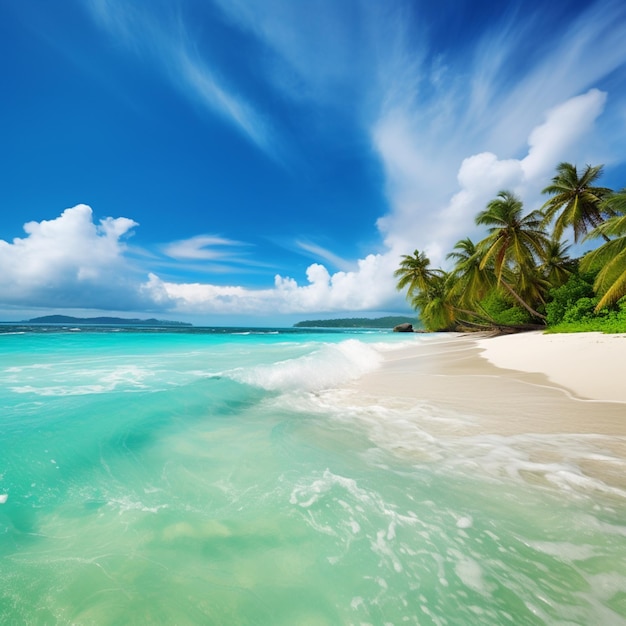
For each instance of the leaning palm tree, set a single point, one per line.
(575, 200)
(610, 257)
(530, 283)
(471, 283)
(514, 244)
(415, 273)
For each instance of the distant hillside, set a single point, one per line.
(102, 321)
(358, 322)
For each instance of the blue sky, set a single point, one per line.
(265, 161)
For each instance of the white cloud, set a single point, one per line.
(367, 288)
(322, 253)
(482, 176)
(565, 126)
(67, 261)
(201, 247)
(311, 54)
(435, 191)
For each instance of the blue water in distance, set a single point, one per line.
(218, 476)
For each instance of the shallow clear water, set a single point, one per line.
(219, 478)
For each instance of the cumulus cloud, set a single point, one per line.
(68, 261)
(433, 215)
(73, 262)
(367, 288)
(565, 126)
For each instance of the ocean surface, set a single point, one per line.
(217, 476)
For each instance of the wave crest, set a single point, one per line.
(329, 366)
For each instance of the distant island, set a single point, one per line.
(358, 322)
(101, 321)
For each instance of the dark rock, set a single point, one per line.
(403, 328)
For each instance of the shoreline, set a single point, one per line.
(449, 391)
(510, 384)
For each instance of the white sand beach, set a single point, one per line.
(591, 365)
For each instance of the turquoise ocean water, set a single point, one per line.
(206, 476)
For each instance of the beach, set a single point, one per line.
(546, 383)
(552, 400)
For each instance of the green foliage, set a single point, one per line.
(610, 258)
(576, 202)
(573, 309)
(503, 312)
(437, 311)
(580, 310)
(606, 321)
(564, 297)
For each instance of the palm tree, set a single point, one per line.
(471, 283)
(415, 272)
(435, 303)
(611, 256)
(557, 266)
(514, 243)
(575, 201)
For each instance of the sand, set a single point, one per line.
(549, 398)
(590, 365)
(513, 384)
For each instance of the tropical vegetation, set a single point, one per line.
(521, 275)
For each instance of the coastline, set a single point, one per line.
(454, 389)
(511, 384)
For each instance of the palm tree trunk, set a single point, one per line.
(481, 316)
(521, 302)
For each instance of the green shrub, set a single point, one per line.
(580, 319)
(503, 312)
(563, 298)
(581, 309)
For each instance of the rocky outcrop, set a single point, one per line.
(403, 328)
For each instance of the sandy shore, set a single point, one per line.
(514, 384)
(590, 365)
(544, 398)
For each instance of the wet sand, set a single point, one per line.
(449, 387)
(458, 372)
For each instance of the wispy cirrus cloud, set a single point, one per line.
(320, 253)
(202, 247)
(159, 32)
(314, 53)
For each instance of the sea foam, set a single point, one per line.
(328, 366)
